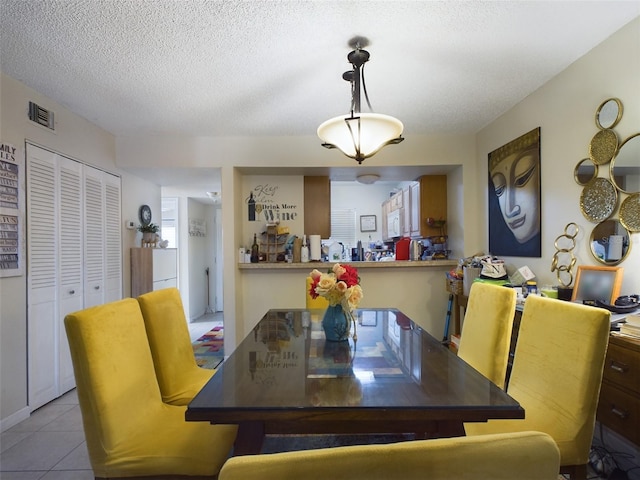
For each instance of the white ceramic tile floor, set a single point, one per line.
(49, 445)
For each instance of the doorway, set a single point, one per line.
(193, 226)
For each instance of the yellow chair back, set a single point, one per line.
(525, 456)
(179, 376)
(129, 431)
(486, 331)
(556, 375)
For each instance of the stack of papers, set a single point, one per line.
(631, 327)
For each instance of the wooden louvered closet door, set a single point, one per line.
(73, 256)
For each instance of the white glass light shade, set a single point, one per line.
(376, 130)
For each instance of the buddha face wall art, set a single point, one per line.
(514, 197)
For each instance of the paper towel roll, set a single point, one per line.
(315, 248)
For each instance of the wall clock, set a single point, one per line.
(145, 215)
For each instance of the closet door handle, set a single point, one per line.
(72, 292)
(97, 287)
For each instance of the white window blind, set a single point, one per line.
(343, 226)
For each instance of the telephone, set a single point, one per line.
(623, 304)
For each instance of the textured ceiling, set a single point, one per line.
(265, 68)
(213, 68)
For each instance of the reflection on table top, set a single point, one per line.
(286, 370)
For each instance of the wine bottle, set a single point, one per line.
(255, 250)
(252, 208)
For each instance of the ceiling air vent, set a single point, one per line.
(40, 115)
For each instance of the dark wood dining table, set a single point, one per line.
(286, 378)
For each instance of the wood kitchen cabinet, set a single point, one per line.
(619, 405)
(386, 208)
(428, 199)
(406, 217)
(317, 206)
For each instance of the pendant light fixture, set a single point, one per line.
(359, 135)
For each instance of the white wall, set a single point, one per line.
(565, 109)
(200, 257)
(76, 138)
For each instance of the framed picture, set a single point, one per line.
(597, 283)
(514, 197)
(368, 223)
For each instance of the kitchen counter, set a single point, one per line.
(359, 265)
(415, 287)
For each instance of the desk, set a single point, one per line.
(284, 378)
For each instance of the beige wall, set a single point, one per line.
(76, 138)
(565, 108)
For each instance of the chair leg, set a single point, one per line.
(575, 472)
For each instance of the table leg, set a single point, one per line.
(456, 315)
(249, 439)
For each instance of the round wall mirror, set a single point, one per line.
(598, 200)
(603, 146)
(609, 113)
(625, 167)
(585, 171)
(610, 242)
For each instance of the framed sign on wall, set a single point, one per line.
(368, 223)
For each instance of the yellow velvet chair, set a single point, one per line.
(179, 376)
(486, 331)
(556, 377)
(522, 456)
(130, 431)
(319, 303)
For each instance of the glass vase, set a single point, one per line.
(335, 324)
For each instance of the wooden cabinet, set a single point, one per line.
(422, 199)
(317, 206)
(406, 212)
(153, 269)
(619, 405)
(414, 209)
(428, 200)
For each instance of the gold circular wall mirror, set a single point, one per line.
(598, 200)
(630, 213)
(603, 146)
(609, 113)
(610, 243)
(585, 171)
(625, 167)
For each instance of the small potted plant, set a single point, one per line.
(149, 232)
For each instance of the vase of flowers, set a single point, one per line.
(341, 287)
